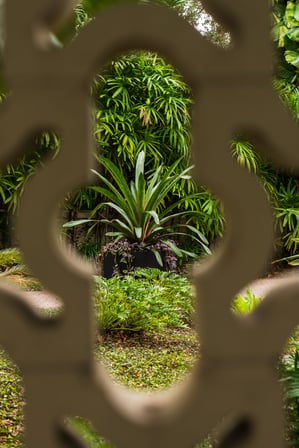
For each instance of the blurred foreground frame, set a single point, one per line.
(234, 380)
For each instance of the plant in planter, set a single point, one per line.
(123, 256)
(143, 223)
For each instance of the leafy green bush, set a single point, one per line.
(10, 258)
(144, 302)
(13, 177)
(285, 33)
(245, 304)
(287, 213)
(151, 300)
(142, 105)
(13, 270)
(289, 376)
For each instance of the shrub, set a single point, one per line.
(10, 258)
(144, 302)
(13, 270)
(289, 374)
(245, 304)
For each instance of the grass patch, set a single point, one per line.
(12, 402)
(149, 361)
(143, 362)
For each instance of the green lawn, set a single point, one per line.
(140, 361)
(11, 406)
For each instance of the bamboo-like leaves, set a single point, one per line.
(143, 104)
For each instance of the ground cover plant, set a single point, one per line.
(148, 300)
(11, 404)
(289, 374)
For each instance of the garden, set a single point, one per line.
(143, 221)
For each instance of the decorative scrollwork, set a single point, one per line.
(50, 90)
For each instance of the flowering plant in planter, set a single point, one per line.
(142, 220)
(123, 256)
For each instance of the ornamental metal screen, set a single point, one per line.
(235, 375)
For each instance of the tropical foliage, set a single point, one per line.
(244, 304)
(283, 193)
(149, 299)
(13, 178)
(142, 213)
(128, 126)
(286, 34)
(142, 105)
(289, 372)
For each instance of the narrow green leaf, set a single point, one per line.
(290, 15)
(77, 222)
(158, 257)
(292, 57)
(200, 235)
(122, 212)
(138, 232)
(139, 169)
(126, 231)
(188, 253)
(154, 215)
(293, 34)
(174, 248)
(114, 234)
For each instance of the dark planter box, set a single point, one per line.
(140, 259)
